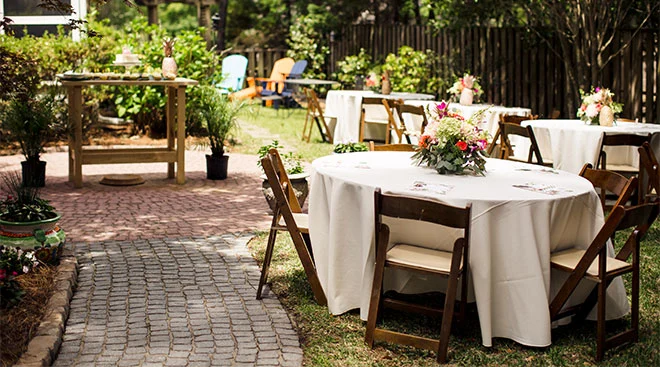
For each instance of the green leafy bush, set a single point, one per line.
(412, 71)
(307, 41)
(56, 53)
(352, 67)
(292, 162)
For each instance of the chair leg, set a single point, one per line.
(268, 256)
(361, 136)
(374, 304)
(450, 299)
(447, 315)
(634, 313)
(600, 328)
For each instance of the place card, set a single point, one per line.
(542, 188)
(441, 189)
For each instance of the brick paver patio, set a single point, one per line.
(165, 276)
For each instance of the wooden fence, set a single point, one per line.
(515, 67)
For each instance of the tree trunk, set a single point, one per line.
(222, 24)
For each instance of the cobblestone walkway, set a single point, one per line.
(174, 302)
(165, 277)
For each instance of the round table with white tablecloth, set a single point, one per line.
(514, 229)
(571, 143)
(345, 105)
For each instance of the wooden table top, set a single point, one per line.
(164, 82)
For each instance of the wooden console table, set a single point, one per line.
(173, 153)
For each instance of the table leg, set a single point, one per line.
(69, 91)
(170, 112)
(181, 135)
(75, 116)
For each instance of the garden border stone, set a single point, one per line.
(43, 347)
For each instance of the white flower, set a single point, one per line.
(592, 111)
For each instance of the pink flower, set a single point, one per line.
(482, 144)
(3, 274)
(461, 145)
(597, 89)
(14, 273)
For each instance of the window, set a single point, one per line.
(27, 14)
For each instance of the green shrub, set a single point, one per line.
(412, 71)
(307, 41)
(352, 67)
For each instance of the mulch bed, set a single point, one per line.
(18, 324)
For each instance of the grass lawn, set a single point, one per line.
(338, 340)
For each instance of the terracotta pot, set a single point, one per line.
(467, 96)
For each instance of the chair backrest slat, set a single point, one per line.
(424, 210)
(651, 168)
(283, 178)
(507, 129)
(404, 109)
(609, 181)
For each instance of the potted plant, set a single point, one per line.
(294, 170)
(219, 116)
(28, 221)
(30, 120)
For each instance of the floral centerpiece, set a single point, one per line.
(466, 89)
(598, 107)
(452, 144)
(373, 81)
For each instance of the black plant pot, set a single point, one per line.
(34, 173)
(216, 167)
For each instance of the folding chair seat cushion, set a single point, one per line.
(420, 257)
(301, 219)
(568, 260)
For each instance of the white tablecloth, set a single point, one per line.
(345, 105)
(491, 117)
(570, 143)
(513, 232)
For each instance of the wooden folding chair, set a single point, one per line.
(631, 140)
(372, 103)
(623, 140)
(594, 264)
(394, 125)
(417, 111)
(288, 216)
(494, 148)
(609, 181)
(422, 260)
(315, 114)
(507, 129)
(649, 171)
(391, 147)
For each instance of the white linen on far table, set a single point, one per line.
(491, 117)
(571, 143)
(346, 105)
(513, 232)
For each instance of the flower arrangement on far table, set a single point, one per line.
(469, 83)
(452, 144)
(598, 107)
(373, 82)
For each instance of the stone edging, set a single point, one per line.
(43, 347)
